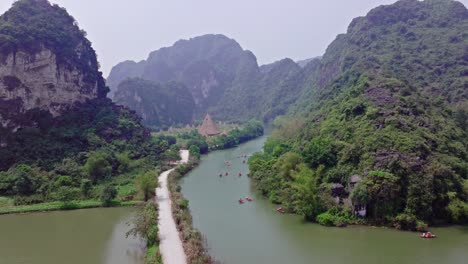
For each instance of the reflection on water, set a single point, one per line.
(128, 250)
(92, 236)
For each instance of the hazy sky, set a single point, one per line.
(271, 29)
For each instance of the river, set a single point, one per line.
(254, 233)
(91, 236)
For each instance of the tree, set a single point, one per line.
(107, 195)
(85, 187)
(146, 184)
(319, 151)
(194, 151)
(97, 166)
(287, 164)
(145, 224)
(66, 195)
(124, 161)
(383, 192)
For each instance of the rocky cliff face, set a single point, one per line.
(222, 78)
(159, 105)
(43, 74)
(53, 101)
(208, 65)
(37, 81)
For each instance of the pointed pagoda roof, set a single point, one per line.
(209, 127)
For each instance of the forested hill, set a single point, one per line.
(58, 131)
(159, 105)
(221, 77)
(387, 103)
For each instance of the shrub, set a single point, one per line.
(194, 151)
(458, 211)
(86, 187)
(335, 217)
(63, 181)
(326, 219)
(97, 166)
(406, 221)
(107, 195)
(66, 195)
(146, 184)
(27, 200)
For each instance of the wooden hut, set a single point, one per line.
(209, 127)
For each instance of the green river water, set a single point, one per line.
(91, 236)
(253, 233)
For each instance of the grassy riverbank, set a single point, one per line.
(56, 206)
(192, 239)
(145, 225)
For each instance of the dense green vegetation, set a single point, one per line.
(31, 25)
(198, 144)
(160, 106)
(387, 103)
(76, 155)
(145, 225)
(93, 153)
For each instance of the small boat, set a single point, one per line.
(427, 235)
(248, 198)
(280, 210)
(241, 201)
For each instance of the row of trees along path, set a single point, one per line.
(171, 247)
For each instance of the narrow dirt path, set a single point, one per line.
(171, 246)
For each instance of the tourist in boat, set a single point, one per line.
(241, 201)
(240, 174)
(227, 173)
(248, 198)
(428, 235)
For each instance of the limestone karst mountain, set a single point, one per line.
(221, 77)
(53, 101)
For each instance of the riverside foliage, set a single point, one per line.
(388, 103)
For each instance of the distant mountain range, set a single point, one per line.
(221, 77)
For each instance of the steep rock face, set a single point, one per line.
(39, 82)
(49, 71)
(159, 105)
(207, 65)
(122, 71)
(222, 78)
(53, 101)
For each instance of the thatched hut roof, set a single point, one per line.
(209, 127)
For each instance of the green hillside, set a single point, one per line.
(388, 103)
